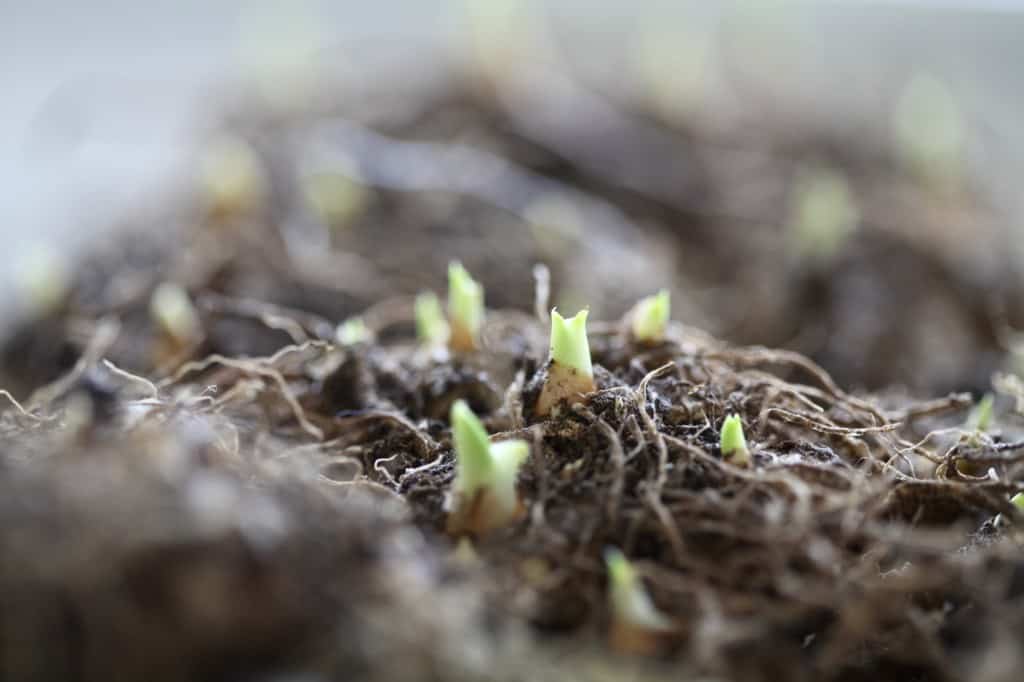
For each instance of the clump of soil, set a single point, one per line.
(259, 500)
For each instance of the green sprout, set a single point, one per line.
(929, 129)
(431, 327)
(338, 198)
(980, 418)
(485, 478)
(569, 346)
(171, 309)
(650, 317)
(43, 279)
(465, 309)
(570, 373)
(630, 604)
(1018, 501)
(734, 443)
(352, 331)
(823, 215)
(232, 176)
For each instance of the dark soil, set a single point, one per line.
(265, 504)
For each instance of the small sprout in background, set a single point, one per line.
(734, 443)
(649, 317)
(674, 66)
(171, 309)
(232, 177)
(280, 47)
(338, 198)
(352, 332)
(822, 215)
(503, 37)
(637, 625)
(978, 422)
(570, 374)
(1018, 501)
(431, 327)
(484, 492)
(980, 418)
(465, 309)
(43, 280)
(929, 130)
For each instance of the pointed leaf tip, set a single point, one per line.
(465, 306)
(569, 345)
(651, 315)
(733, 441)
(472, 448)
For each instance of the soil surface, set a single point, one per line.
(229, 493)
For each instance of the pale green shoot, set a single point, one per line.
(431, 327)
(465, 308)
(734, 443)
(630, 602)
(980, 418)
(569, 346)
(172, 310)
(352, 331)
(650, 317)
(485, 467)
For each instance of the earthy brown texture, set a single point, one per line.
(267, 502)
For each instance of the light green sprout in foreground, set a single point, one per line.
(465, 308)
(630, 603)
(485, 469)
(352, 331)
(650, 317)
(569, 346)
(1018, 501)
(431, 327)
(734, 443)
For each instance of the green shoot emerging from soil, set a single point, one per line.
(569, 346)
(734, 443)
(431, 327)
(171, 309)
(485, 480)
(636, 621)
(650, 317)
(1018, 501)
(352, 331)
(570, 374)
(465, 309)
(980, 418)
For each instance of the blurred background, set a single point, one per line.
(834, 177)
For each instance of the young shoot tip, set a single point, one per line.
(352, 332)
(431, 327)
(1018, 501)
(569, 345)
(465, 308)
(570, 373)
(631, 605)
(485, 478)
(650, 317)
(734, 442)
(980, 418)
(171, 309)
